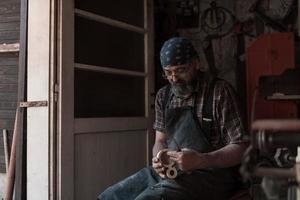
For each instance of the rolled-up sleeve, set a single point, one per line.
(159, 123)
(228, 115)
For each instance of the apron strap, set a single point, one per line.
(207, 109)
(166, 97)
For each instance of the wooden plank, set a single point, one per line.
(108, 70)
(298, 18)
(2, 157)
(10, 7)
(10, 26)
(4, 2)
(2, 168)
(150, 70)
(6, 151)
(103, 159)
(10, 17)
(53, 106)
(109, 21)
(8, 70)
(65, 182)
(8, 41)
(7, 114)
(8, 106)
(8, 35)
(9, 97)
(9, 191)
(21, 150)
(6, 48)
(39, 61)
(8, 60)
(7, 123)
(89, 125)
(8, 79)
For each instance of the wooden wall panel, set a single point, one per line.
(9, 21)
(9, 33)
(8, 97)
(98, 156)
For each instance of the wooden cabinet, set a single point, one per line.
(269, 54)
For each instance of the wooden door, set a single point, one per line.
(105, 79)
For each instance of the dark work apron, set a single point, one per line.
(182, 126)
(184, 131)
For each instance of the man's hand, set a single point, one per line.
(157, 166)
(188, 159)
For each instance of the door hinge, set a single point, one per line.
(56, 90)
(33, 104)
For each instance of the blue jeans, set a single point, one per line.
(147, 185)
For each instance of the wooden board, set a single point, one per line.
(94, 171)
(9, 33)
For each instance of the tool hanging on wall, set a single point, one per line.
(217, 21)
(187, 13)
(274, 13)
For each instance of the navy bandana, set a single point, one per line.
(177, 51)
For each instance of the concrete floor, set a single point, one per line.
(2, 185)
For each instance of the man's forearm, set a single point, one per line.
(159, 145)
(227, 156)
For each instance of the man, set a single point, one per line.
(198, 122)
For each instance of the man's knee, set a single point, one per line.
(107, 194)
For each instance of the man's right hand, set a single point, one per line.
(157, 166)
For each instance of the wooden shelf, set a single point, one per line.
(9, 48)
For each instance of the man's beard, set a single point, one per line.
(184, 89)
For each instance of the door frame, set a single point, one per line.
(65, 107)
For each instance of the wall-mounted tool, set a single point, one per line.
(217, 21)
(187, 13)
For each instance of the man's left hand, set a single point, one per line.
(188, 159)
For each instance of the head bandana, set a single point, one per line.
(177, 51)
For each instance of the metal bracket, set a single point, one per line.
(33, 104)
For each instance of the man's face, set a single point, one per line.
(181, 78)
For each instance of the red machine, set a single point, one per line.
(269, 54)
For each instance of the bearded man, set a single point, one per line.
(199, 131)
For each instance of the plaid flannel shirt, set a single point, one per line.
(227, 122)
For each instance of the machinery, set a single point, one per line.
(274, 151)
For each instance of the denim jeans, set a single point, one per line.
(147, 185)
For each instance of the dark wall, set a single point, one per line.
(9, 33)
(222, 50)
